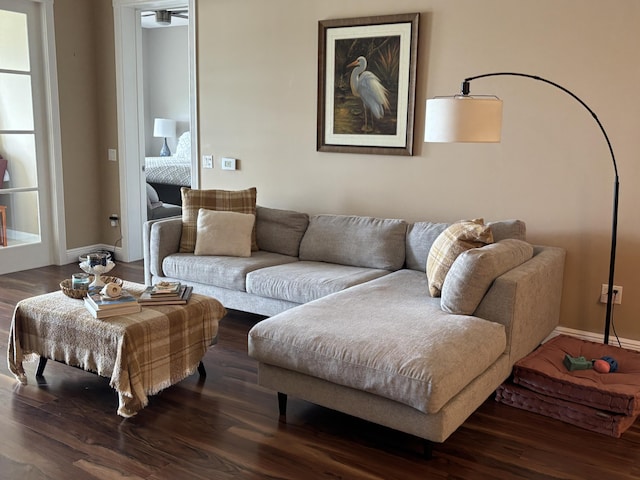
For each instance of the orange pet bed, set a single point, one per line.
(543, 371)
(607, 403)
(607, 423)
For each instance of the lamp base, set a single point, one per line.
(165, 152)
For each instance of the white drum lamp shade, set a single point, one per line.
(463, 119)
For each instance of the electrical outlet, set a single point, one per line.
(207, 161)
(114, 219)
(617, 297)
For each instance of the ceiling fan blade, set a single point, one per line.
(163, 17)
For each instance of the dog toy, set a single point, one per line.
(605, 364)
(577, 363)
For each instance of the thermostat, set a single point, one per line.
(228, 163)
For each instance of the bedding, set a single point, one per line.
(172, 170)
(168, 171)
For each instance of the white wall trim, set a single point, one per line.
(129, 85)
(54, 136)
(72, 256)
(595, 337)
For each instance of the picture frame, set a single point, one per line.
(367, 84)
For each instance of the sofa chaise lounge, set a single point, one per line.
(352, 324)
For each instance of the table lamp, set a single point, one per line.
(163, 127)
(466, 118)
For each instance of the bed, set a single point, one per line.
(168, 174)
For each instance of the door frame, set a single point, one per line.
(130, 113)
(52, 212)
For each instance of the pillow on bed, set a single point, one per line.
(224, 233)
(454, 240)
(241, 201)
(473, 272)
(183, 148)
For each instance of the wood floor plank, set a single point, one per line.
(225, 426)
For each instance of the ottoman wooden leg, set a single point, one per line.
(282, 403)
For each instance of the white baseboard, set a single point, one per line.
(595, 337)
(72, 255)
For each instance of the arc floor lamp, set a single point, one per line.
(467, 118)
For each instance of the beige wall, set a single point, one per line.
(86, 85)
(257, 66)
(166, 82)
(257, 78)
(75, 52)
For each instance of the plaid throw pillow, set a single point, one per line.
(241, 201)
(457, 238)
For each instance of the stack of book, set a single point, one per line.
(101, 307)
(166, 293)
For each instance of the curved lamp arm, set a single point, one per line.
(616, 186)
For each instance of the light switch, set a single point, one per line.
(113, 154)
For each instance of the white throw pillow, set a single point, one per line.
(224, 233)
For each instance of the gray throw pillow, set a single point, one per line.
(473, 272)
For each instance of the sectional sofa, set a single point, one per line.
(353, 325)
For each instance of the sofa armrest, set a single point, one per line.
(526, 300)
(160, 238)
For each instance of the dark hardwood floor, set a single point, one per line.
(65, 426)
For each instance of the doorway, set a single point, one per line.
(131, 123)
(31, 219)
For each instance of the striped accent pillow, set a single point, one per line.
(241, 201)
(457, 238)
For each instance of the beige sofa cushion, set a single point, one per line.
(218, 270)
(457, 238)
(384, 337)
(280, 231)
(473, 271)
(302, 282)
(357, 241)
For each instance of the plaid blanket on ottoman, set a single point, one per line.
(141, 353)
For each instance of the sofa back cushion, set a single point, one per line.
(280, 231)
(355, 240)
(421, 235)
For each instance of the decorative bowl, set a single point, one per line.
(66, 288)
(77, 293)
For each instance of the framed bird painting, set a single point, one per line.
(366, 84)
